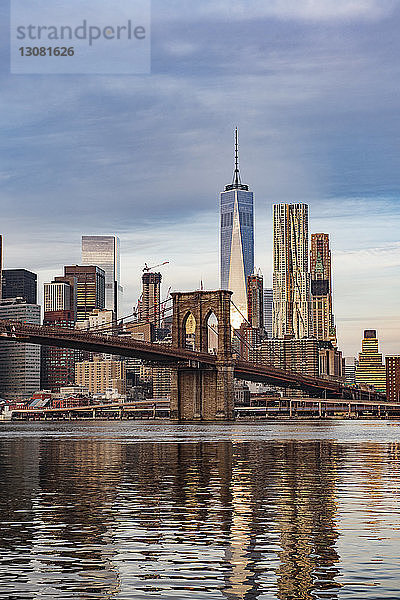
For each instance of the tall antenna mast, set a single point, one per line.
(236, 174)
(236, 181)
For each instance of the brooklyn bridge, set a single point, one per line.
(202, 381)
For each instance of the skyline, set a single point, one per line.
(170, 280)
(313, 96)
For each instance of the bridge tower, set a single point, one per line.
(201, 322)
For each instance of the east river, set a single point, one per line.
(289, 510)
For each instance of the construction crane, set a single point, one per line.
(147, 269)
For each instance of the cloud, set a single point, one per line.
(304, 10)
(368, 259)
(322, 10)
(5, 176)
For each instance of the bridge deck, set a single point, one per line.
(170, 355)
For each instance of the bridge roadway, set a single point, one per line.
(169, 355)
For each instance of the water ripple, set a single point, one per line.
(288, 511)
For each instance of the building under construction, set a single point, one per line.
(149, 308)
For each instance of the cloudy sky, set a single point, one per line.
(313, 86)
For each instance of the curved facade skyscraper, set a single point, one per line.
(291, 277)
(237, 241)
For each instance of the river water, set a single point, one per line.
(289, 510)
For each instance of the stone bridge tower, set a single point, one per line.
(201, 322)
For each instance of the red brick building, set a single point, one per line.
(393, 378)
(58, 364)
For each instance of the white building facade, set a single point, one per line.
(57, 296)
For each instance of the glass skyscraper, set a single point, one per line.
(89, 284)
(20, 283)
(103, 251)
(237, 241)
(268, 311)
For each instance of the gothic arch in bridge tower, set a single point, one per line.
(212, 332)
(201, 392)
(202, 305)
(189, 331)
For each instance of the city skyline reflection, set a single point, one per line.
(87, 517)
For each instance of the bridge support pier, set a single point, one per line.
(200, 392)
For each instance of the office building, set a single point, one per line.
(246, 338)
(132, 366)
(255, 301)
(72, 282)
(268, 304)
(19, 362)
(250, 332)
(291, 277)
(161, 377)
(370, 368)
(321, 288)
(299, 355)
(1, 265)
(149, 306)
(100, 321)
(237, 241)
(146, 373)
(104, 251)
(20, 283)
(140, 331)
(71, 391)
(90, 288)
(393, 378)
(98, 376)
(58, 364)
(304, 355)
(331, 362)
(57, 296)
(350, 365)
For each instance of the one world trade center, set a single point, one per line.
(237, 241)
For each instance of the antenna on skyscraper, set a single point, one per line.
(236, 174)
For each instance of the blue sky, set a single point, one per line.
(313, 87)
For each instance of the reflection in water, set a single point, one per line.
(58, 521)
(307, 508)
(78, 489)
(100, 517)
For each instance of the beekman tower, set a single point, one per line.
(237, 241)
(291, 277)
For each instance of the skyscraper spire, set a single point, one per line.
(236, 175)
(236, 181)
